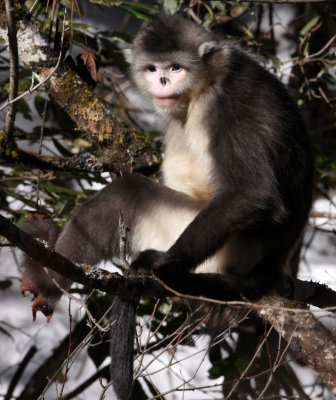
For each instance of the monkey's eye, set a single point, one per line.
(176, 67)
(151, 68)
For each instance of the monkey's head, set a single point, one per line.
(170, 61)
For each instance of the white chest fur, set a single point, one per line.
(187, 165)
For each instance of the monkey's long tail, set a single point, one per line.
(122, 345)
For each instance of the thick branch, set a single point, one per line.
(119, 147)
(97, 278)
(309, 339)
(84, 162)
(114, 283)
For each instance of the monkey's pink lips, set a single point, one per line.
(165, 101)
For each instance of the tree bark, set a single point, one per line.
(120, 148)
(307, 336)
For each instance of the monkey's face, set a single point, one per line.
(168, 80)
(165, 82)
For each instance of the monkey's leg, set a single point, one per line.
(35, 278)
(155, 216)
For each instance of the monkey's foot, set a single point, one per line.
(39, 303)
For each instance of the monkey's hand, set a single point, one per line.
(162, 266)
(150, 260)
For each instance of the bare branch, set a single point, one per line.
(18, 374)
(80, 388)
(87, 275)
(46, 371)
(310, 339)
(114, 283)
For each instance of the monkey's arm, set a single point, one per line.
(225, 215)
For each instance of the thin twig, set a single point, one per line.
(40, 152)
(14, 69)
(250, 363)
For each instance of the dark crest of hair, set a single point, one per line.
(170, 33)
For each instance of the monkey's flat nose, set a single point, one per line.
(163, 80)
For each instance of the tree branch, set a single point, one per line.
(46, 371)
(307, 336)
(82, 162)
(116, 284)
(120, 148)
(102, 372)
(16, 377)
(94, 277)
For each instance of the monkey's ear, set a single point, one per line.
(208, 47)
(128, 54)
